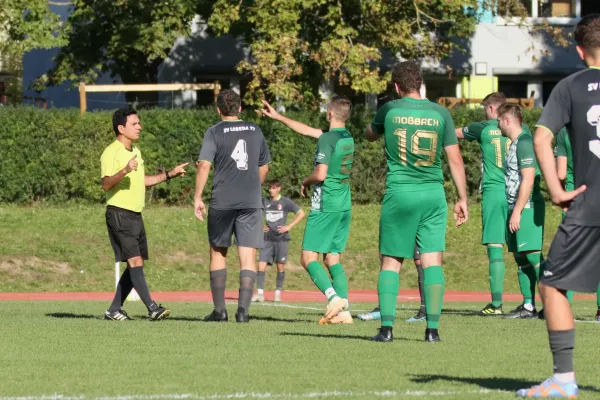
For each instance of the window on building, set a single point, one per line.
(513, 88)
(590, 7)
(436, 87)
(556, 8)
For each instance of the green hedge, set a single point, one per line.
(54, 155)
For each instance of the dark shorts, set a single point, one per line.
(126, 233)
(274, 252)
(247, 226)
(574, 259)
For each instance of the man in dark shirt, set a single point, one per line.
(277, 237)
(573, 258)
(240, 156)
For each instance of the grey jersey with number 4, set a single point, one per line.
(276, 213)
(236, 149)
(575, 104)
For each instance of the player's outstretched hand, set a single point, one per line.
(461, 212)
(178, 170)
(514, 224)
(270, 112)
(132, 164)
(564, 199)
(199, 209)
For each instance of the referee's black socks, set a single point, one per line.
(140, 285)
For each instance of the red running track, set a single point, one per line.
(291, 296)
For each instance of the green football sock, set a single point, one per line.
(339, 280)
(598, 297)
(387, 289)
(570, 294)
(524, 273)
(434, 295)
(319, 277)
(497, 272)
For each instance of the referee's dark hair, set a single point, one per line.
(275, 183)
(229, 103)
(120, 118)
(587, 33)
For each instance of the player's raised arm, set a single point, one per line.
(296, 126)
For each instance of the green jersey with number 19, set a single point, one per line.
(336, 150)
(415, 131)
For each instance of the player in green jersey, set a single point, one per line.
(494, 208)
(564, 168)
(414, 207)
(525, 230)
(328, 223)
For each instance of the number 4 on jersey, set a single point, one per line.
(240, 155)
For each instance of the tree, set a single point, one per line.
(297, 44)
(26, 25)
(128, 39)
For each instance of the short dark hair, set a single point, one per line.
(408, 76)
(120, 118)
(512, 109)
(587, 32)
(341, 106)
(496, 98)
(229, 103)
(275, 182)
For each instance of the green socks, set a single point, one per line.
(527, 278)
(320, 278)
(434, 295)
(387, 289)
(570, 294)
(339, 280)
(598, 297)
(497, 272)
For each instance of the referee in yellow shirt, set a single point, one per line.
(125, 182)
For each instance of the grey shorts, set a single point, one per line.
(274, 252)
(573, 259)
(247, 226)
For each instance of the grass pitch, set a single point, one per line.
(66, 249)
(65, 348)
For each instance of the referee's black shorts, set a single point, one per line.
(573, 261)
(126, 233)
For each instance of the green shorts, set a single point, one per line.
(494, 214)
(530, 236)
(327, 232)
(417, 217)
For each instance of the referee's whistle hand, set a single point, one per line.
(132, 164)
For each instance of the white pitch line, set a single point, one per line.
(266, 395)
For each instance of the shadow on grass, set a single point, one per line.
(273, 319)
(345, 337)
(492, 383)
(74, 316)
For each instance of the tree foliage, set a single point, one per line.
(128, 39)
(298, 44)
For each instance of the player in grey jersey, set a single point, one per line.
(572, 262)
(277, 237)
(240, 156)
